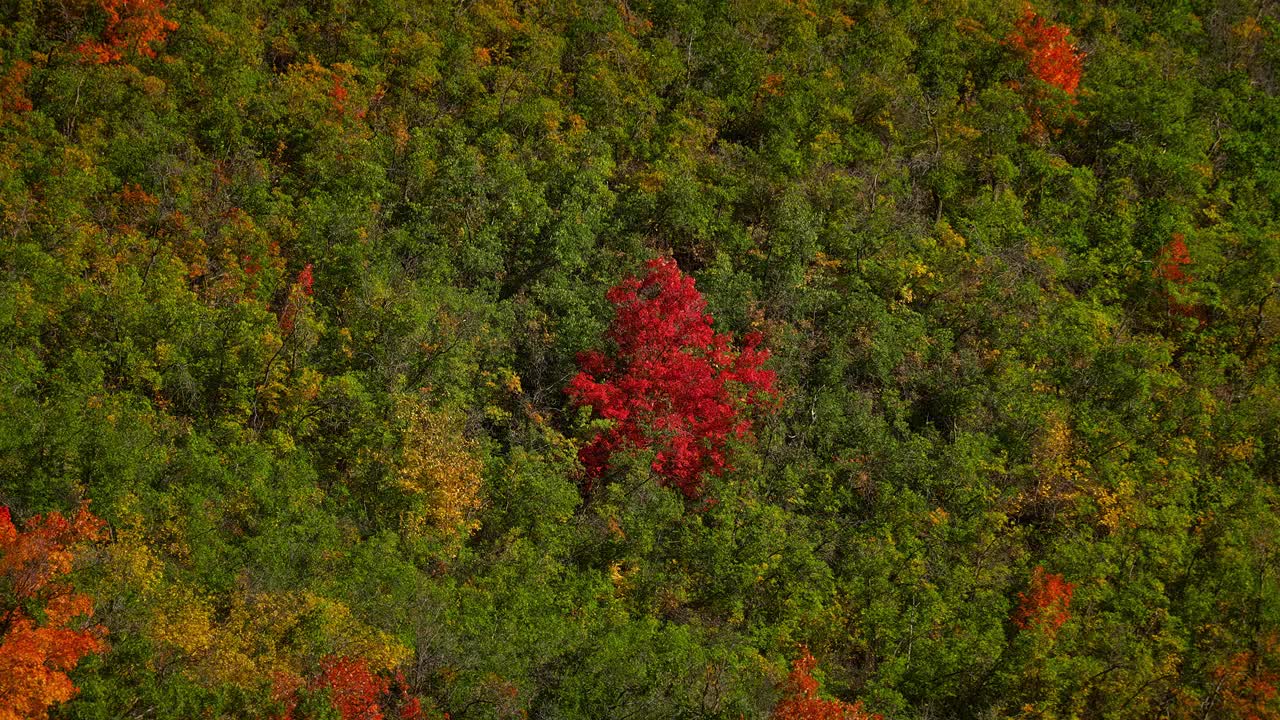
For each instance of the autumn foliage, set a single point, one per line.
(354, 691)
(346, 316)
(1048, 54)
(43, 623)
(338, 95)
(132, 26)
(299, 295)
(802, 701)
(13, 98)
(1173, 260)
(1046, 604)
(673, 384)
(1172, 265)
(1249, 682)
(439, 472)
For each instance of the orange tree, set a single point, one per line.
(44, 626)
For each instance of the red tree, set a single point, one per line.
(1172, 265)
(338, 95)
(354, 691)
(132, 25)
(672, 384)
(35, 656)
(1174, 257)
(1249, 682)
(802, 701)
(1046, 604)
(306, 280)
(299, 293)
(13, 89)
(1049, 56)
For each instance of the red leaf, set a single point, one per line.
(132, 25)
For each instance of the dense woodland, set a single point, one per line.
(793, 359)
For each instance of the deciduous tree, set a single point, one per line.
(44, 631)
(1049, 55)
(1046, 604)
(803, 703)
(132, 26)
(672, 384)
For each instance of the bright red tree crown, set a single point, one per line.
(1046, 604)
(673, 384)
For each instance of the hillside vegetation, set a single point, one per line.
(792, 359)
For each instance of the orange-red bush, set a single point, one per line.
(1049, 56)
(36, 655)
(802, 701)
(132, 26)
(1046, 604)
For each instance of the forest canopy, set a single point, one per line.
(402, 360)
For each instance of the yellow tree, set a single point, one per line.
(439, 470)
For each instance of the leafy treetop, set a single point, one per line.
(1046, 604)
(673, 384)
(36, 655)
(802, 701)
(1049, 56)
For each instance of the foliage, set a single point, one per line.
(1171, 265)
(44, 628)
(440, 470)
(802, 701)
(347, 686)
(1249, 682)
(330, 308)
(1046, 604)
(353, 690)
(673, 384)
(1049, 56)
(132, 26)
